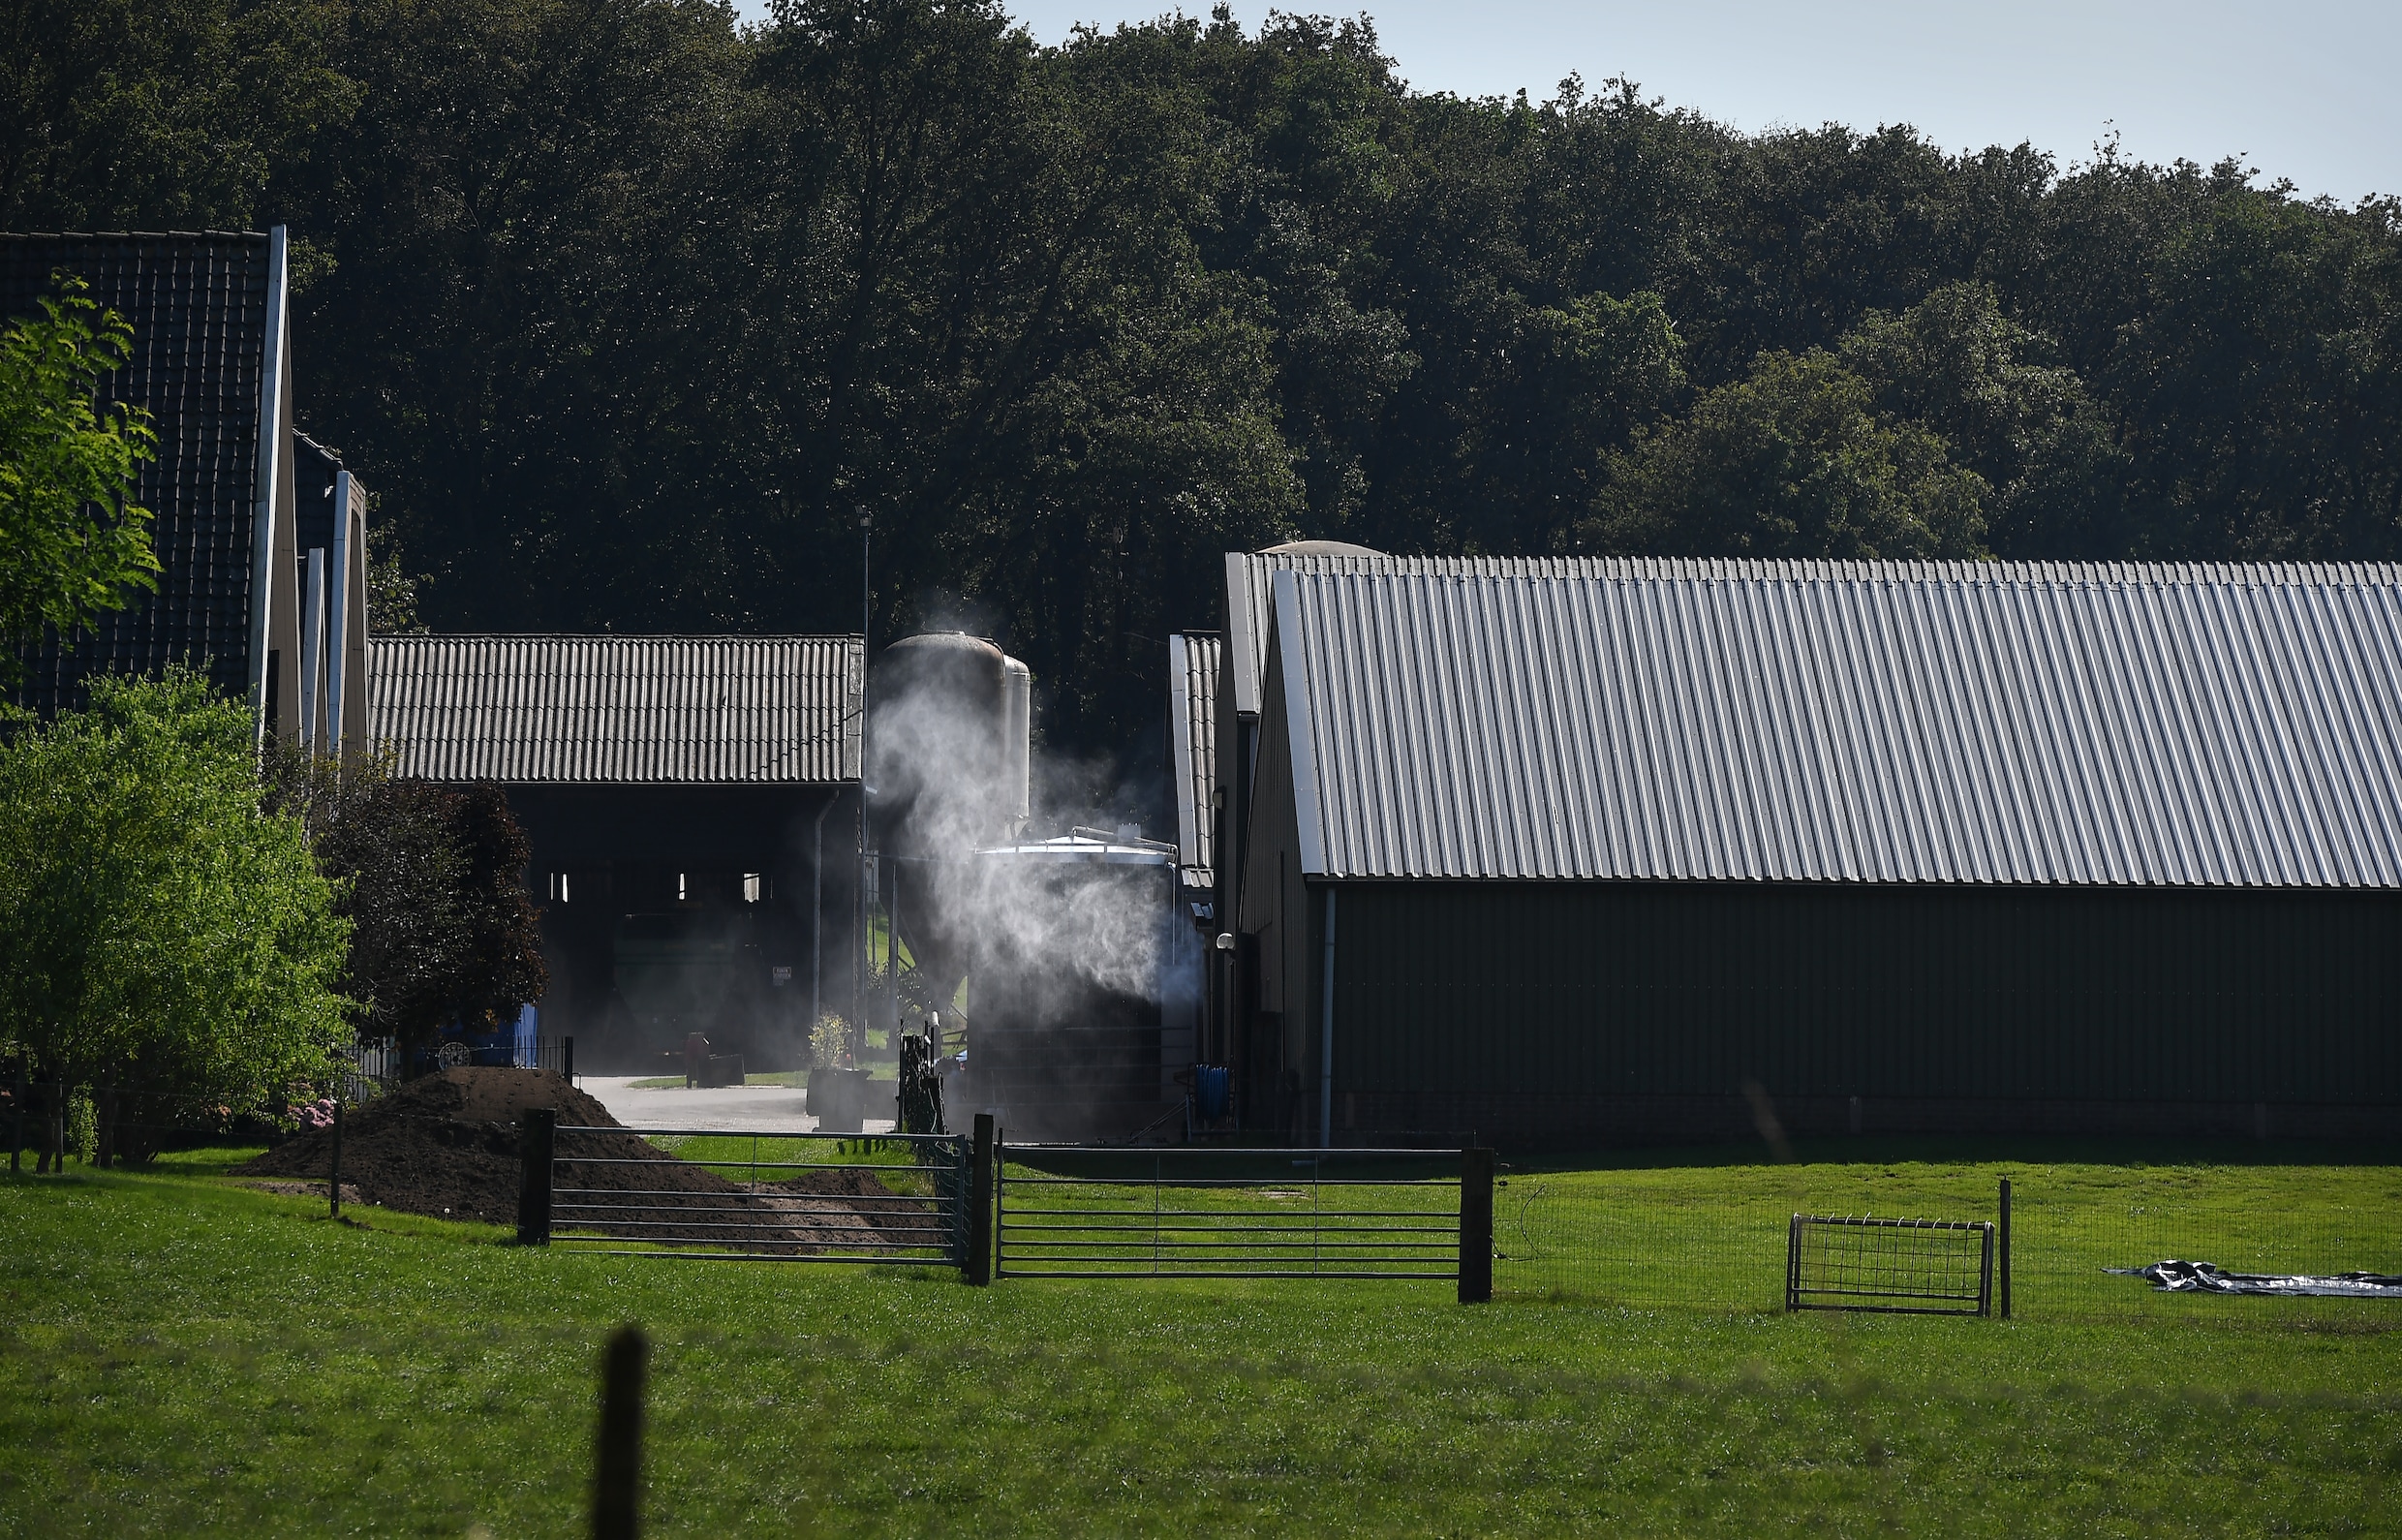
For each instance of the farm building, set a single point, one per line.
(692, 804)
(260, 533)
(1646, 850)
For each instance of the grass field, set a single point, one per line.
(180, 1356)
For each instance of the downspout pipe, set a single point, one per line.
(817, 923)
(1326, 1032)
(338, 617)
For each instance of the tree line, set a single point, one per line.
(629, 312)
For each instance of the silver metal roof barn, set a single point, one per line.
(1823, 721)
(622, 710)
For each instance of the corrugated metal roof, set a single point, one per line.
(1250, 574)
(1849, 722)
(1192, 720)
(643, 710)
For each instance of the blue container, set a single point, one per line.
(1209, 1090)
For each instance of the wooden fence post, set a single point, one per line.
(1475, 1227)
(2005, 1240)
(979, 1259)
(535, 1137)
(616, 1470)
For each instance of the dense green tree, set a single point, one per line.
(2047, 451)
(991, 329)
(429, 882)
(159, 114)
(73, 542)
(2261, 381)
(163, 928)
(1790, 461)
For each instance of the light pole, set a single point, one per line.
(859, 860)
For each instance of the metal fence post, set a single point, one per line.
(333, 1169)
(1001, 1198)
(616, 1473)
(2005, 1239)
(17, 1121)
(1475, 1227)
(979, 1258)
(1985, 1274)
(535, 1136)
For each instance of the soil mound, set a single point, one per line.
(446, 1145)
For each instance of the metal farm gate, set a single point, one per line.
(706, 1193)
(1203, 1212)
(994, 1210)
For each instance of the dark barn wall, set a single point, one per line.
(1639, 1011)
(622, 849)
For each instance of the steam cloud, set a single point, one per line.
(1040, 939)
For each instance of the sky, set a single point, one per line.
(2305, 91)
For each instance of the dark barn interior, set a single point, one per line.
(673, 910)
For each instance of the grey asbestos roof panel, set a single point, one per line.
(1192, 720)
(630, 710)
(1849, 723)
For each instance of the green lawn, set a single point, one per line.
(178, 1356)
(1715, 1235)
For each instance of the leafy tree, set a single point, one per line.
(2046, 448)
(1791, 461)
(163, 927)
(431, 885)
(73, 542)
(2261, 383)
(163, 113)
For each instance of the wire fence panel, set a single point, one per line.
(1226, 1212)
(709, 1194)
(1900, 1267)
(1718, 1237)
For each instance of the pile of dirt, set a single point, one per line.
(446, 1145)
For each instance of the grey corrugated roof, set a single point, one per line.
(1192, 720)
(689, 710)
(1849, 722)
(1250, 574)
